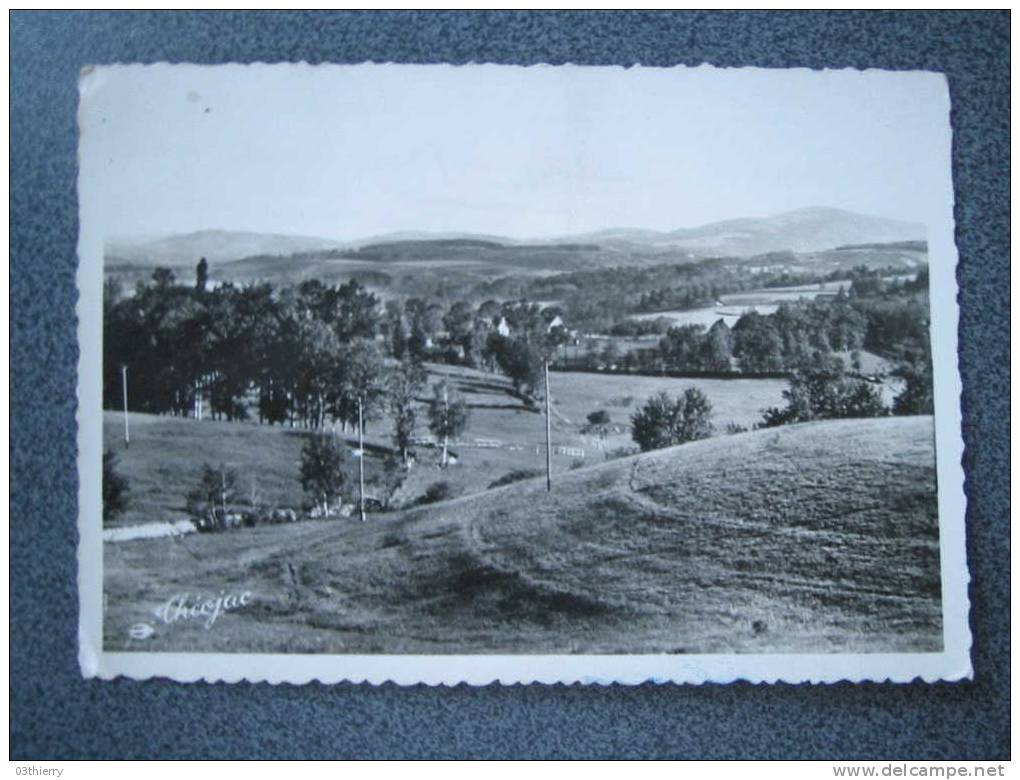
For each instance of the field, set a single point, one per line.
(166, 455)
(764, 301)
(707, 316)
(820, 537)
(732, 307)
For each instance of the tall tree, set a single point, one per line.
(448, 415)
(322, 471)
(756, 344)
(319, 369)
(490, 311)
(354, 311)
(532, 342)
(201, 275)
(682, 346)
(406, 381)
(396, 329)
(278, 349)
(361, 381)
(415, 314)
(518, 358)
(459, 324)
(717, 348)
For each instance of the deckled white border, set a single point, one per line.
(951, 664)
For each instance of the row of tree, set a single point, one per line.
(325, 461)
(786, 340)
(324, 473)
(823, 392)
(294, 355)
(892, 323)
(600, 299)
(300, 355)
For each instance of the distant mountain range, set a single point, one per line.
(216, 246)
(803, 230)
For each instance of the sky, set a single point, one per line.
(347, 152)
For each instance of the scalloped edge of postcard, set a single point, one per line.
(951, 665)
(479, 670)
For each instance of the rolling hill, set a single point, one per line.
(907, 256)
(217, 246)
(768, 541)
(803, 230)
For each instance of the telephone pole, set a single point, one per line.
(548, 431)
(446, 422)
(127, 432)
(361, 460)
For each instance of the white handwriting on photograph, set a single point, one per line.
(184, 606)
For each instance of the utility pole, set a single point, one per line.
(548, 431)
(446, 422)
(361, 460)
(127, 433)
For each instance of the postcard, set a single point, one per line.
(436, 374)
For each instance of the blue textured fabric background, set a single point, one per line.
(56, 714)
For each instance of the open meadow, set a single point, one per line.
(504, 434)
(769, 541)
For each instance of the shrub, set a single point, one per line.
(825, 393)
(516, 476)
(388, 480)
(665, 421)
(211, 503)
(917, 396)
(115, 487)
(622, 452)
(436, 492)
(598, 423)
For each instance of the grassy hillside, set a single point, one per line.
(166, 455)
(819, 538)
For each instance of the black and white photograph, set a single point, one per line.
(460, 374)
